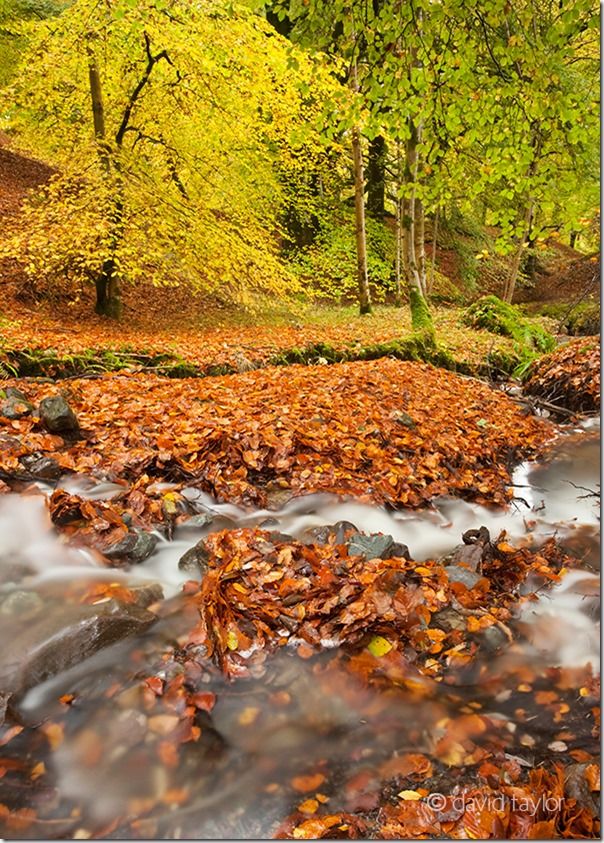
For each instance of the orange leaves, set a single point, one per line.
(295, 430)
(306, 784)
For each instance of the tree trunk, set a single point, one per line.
(398, 292)
(359, 213)
(419, 231)
(421, 319)
(573, 239)
(108, 299)
(430, 283)
(510, 286)
(376, 178)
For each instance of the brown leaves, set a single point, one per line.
(279, 432)
(569, 376)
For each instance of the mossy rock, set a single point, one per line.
(499, 317)
(583, 320)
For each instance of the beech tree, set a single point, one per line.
(164, 121)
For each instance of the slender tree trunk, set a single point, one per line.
(108, 298)
(398, 295)
(430, 285)
(359, 214)
(398, 231)
(420, 313)
(510, 286)
(420, 243)
(376, 178)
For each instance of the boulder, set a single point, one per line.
(57, 416)
(56, 636)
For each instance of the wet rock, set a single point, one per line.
(146, 595)
(493, 639)
(40, 467)
(377, 547)
(278, 536)
(57, 416)
(468, 555)
(475, 550)
(15, 405)
(337, 533)
(60, 636)
(134, 548)
(577, 787)
(458, 574)
(197, 522)
(195, 559)
(449, 620)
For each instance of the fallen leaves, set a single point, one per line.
(271, 434)
(569, 376)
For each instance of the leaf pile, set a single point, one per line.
(264, 590)
(569, 376)
(386, 431)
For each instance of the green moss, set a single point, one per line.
(421, 318)
(499, 317)
(50, 363)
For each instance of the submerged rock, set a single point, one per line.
(57, 416)
(59, 636)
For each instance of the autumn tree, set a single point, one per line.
(164, 122)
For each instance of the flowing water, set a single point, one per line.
(107, 761)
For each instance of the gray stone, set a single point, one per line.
(197, 522)
(134, 548)
(195, 560)
(16, 404)
(458, 574)
(376, 546)
(57, 416)
(60, 636)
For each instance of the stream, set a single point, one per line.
(111, 757)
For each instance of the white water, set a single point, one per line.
(556, 502)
